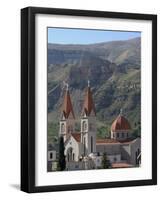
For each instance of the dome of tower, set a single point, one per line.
(120, 123)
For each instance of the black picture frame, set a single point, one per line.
(28, 98)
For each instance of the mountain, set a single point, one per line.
(119, 52)
(113, 69)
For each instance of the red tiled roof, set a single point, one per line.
(67, 107)
(77, 136)
(121, 165)
(120, 123)
(106, 141)
(113, 141)
(88, 103)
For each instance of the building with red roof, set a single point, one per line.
(121, 129)
(121, 148)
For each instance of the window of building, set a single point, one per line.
(73, 156)
(127, 135)
(84, 126)
(122, 135)
(117, 135)
(51, 155)
(115, 159)
(62, 127)
(84, 142)
(91, 144)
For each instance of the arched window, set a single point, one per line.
(91, 144)
(73, 156)
(84, 126)
(84, 144)
(51, 155)
(62, 127)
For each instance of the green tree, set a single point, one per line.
(53, 129)
(105, 162)
(102, 132)
(137, 131)
(61, 161)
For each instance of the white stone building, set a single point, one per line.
(84, 151)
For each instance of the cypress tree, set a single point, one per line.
(105, 162)
(61, 160)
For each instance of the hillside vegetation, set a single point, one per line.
(113, 69)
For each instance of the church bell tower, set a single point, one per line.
(66, 124)
(88, 123)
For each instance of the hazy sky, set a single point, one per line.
(86, 36)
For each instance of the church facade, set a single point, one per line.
(83, 150)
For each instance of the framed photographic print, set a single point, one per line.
(88, 99)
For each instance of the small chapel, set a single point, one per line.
(83, 150)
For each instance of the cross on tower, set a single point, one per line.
(88, 83)
(65, 84)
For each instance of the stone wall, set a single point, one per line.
(111, 149)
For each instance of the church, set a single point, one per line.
(83, 150)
